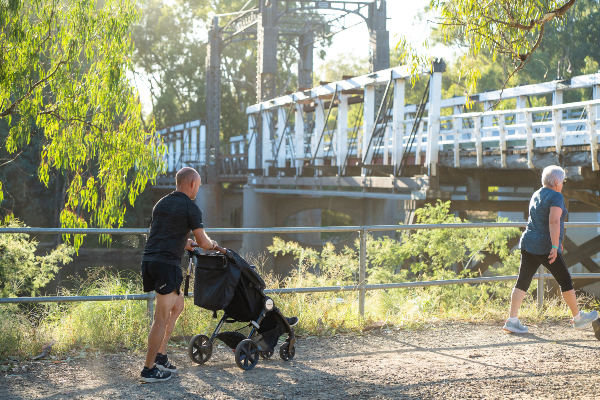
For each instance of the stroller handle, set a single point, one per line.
(220, 249)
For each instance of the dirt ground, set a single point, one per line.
(443, 360)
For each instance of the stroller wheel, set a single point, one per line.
(267, 354)
(198, 351)
(286, 353)
(246, 354)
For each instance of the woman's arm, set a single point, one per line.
(554, 225)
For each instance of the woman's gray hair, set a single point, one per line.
(552, 176)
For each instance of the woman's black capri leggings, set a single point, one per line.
(531, 262)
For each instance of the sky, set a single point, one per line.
(402, 20)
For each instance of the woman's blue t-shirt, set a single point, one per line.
(536, 238)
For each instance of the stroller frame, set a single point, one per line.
(247, 351)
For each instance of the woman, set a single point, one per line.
(541, 243)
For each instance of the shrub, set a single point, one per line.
(21, 271)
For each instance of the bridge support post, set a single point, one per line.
(178, 163)
(591, 125)
(267, 36)
(368, 122)
(305, 64)
(202, 145)
(398, 124)
(194, 145)
(252, 140)
(379, 37)
(281, 120)
(213, 94)
(433, 126)
(557, 98)
(171, 153)
(299, 138)
(342, 133)
(266, 140)
(316, 147)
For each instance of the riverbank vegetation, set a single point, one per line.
(413, 256)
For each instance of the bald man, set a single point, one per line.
(173, 217)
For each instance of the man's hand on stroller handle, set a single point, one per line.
(190, 245)
(203, 240)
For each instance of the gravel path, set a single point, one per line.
(443, 360)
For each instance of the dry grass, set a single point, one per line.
(106, 326)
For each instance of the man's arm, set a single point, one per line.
(203, 240)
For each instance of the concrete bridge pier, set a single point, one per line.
(209, 199)
(383, 212)
(259, 211)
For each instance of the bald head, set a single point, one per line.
(185, 176)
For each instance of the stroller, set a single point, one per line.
(227, 282)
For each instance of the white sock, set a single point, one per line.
(577, 317)
(515, 319)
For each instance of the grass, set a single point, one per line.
(112, 325)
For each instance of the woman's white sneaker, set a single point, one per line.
(515, 327)
(585, 319)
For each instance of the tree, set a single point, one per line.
(63, 69)
(170, 51)
(21, 271)
(568, 49)
(510, 30)
(169, 58)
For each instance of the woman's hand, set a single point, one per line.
(553, 255)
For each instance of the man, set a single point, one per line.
(173, 217)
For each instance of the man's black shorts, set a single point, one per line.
(161, 277)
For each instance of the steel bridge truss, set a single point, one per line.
(299, 22)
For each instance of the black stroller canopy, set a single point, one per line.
(230, 283)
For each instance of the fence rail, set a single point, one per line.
(218, 231)
(361, 287)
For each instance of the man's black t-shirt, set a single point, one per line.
(172, 219)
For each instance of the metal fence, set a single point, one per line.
(361, 287)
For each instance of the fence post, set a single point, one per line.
(150, 307)
(540, 289)
(362, 271)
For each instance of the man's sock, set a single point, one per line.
(577, 317)
(513, 319)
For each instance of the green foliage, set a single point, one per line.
(63, 69)
(569, 49)
(423, 253)
(505, 31)
(21, 271)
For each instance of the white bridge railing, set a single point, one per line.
(306, 137)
